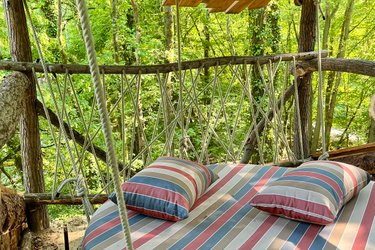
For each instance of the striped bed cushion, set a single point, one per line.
(314, 192)
(167, 189)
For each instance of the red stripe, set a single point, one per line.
(158, 193)
(144, 239)
(106, 226)
(183, 173)
(154, 213)
(197, 242)
(309, 236)
(147, 237)
(102, 229)
(326, 179)
(293, 203)
(352, 176)
(260, 231)
(365, 226)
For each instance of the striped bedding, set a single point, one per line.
(223, 219)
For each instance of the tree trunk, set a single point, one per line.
(140, 134)
(59, 32)
(114, 17)
(12, 93)
(168, 85)
(306, 43)
(329, 15)
(334, 80)
(29, 127)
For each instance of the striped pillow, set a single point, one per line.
(314, 192)
(167, 189)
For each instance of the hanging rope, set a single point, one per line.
(99, 93)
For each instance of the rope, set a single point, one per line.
(99, 93)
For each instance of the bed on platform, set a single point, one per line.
(223, 219)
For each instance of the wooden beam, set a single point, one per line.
(366, 148)
(162, 68)
(46, 199)
(361, 67)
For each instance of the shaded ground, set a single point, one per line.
(53, 238)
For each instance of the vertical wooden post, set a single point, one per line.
(29, 128)
(306, 43)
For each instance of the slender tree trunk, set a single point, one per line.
(329, 15)
(334, 79)
(140, 135)
(306, 43)
(114, 17)
(29, 127)
(59, 33)
(168, 88)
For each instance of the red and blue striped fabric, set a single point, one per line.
(167, 189)
(314, 192)
(223, 219)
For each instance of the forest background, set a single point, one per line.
(143, 32)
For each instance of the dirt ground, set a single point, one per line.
(53, 238)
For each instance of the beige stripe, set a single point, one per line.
(174, 180)
(147, 220)
(190, 226)
(228, 238)
(308, 187)
(115, 239)
(340, 225)
(104, 210)
(281, 238)
(189, 169)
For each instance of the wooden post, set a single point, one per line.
(29, 128)
(306, 43)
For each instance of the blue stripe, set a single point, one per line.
(107, 234)
(160, 183)
(312, 180)
(101, 221)
(224, 208)
(159, 205)
(214, 239)
(297, 234)
(319, 242)
(327, 173)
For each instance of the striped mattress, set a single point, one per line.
(223, 219)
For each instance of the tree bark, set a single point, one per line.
(168, 85)
(12, 93)
(160, 68)
(12, 218)
(29, 128)
(306, 43)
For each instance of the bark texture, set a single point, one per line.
(29, 128)
(12, 91)
(12, 219)
(306, 43)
